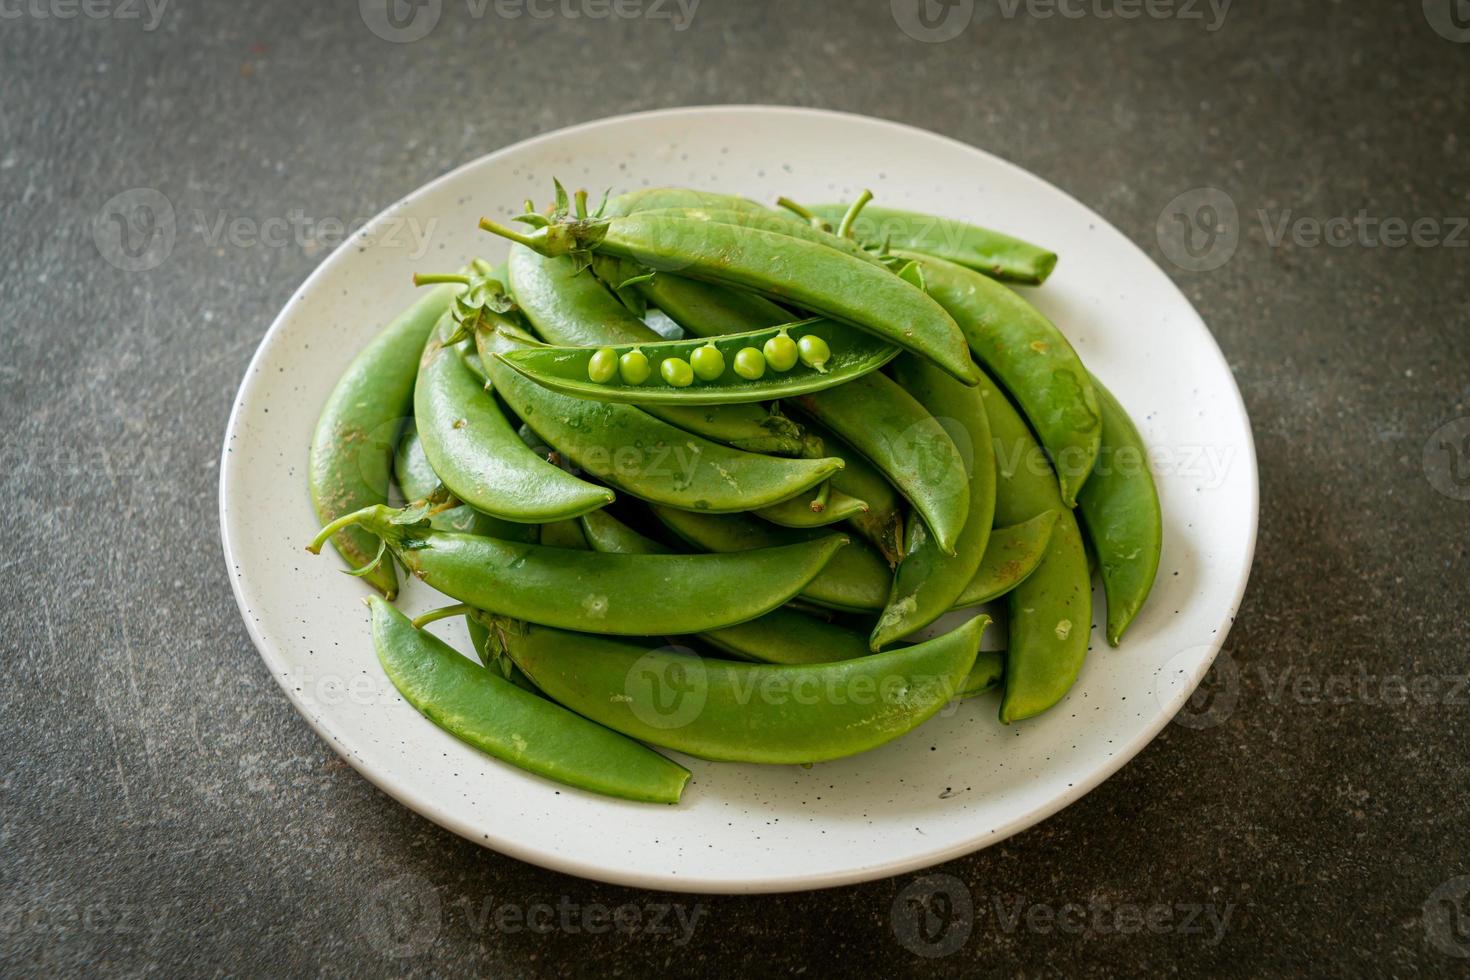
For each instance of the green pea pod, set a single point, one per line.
(738, 712)
(477, 454)
(663, 198)
(704, 309)
(898, 436)
(802, 511)
(928, 581)
(352, 448)
(564, 534)
(568, 305)
(991, 252)
(630, 595)
(417, 479)
(882, 524)
(645, 456)
(1120, 513)
(854, 353)
(479, 707)
(777, 222)
(856, 580)
(1012, 554)
(1050, 612)
(781, 636)
(783, 268)
(988, 672)
(1031, 359)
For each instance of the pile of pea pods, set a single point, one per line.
(696, 470)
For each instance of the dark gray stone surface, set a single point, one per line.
(163, 806)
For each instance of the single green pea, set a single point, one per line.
(603, 366)
(780, 352)
(750, 364)
(708, 362)
(814, 352)
(677, 372)
(634, 367)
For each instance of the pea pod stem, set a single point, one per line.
(443, 612)
(844, 227)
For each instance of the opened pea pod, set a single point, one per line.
(759, 365)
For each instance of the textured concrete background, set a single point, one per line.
(164, 807)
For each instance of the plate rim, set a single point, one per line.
(428, 808)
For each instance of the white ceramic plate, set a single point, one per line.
(962, 781)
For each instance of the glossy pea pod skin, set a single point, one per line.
(705, 309)
(628, 595)
(856, 580)
(990, 252)
(417, 480)
(928, 581)
(1050, 612)
(1121, 516)
(779, 222)
(781, 636)
(571, 307)
(352, 448)
(645, 456)
(854, 353)
(1031, 359)
(740, 712)
(1012, 554)
(801, 511)
(664, 198)
(470, 444)
(786, 269)
(907, 444)
(882, 524)
(479, 707)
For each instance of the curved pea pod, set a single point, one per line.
(1011, 555)
(911, 448)
(991, 252)
(1120, 513)
(1031, 359)
(644, 456)
(571, 307)
(856, 580)
(803, 511)
(417, 479)
(987, 674)
(630, 595)
(704, 309)
(809, 275)
(778, 222)
(1050, 612)
(928, 581)
(478, 456)
(882, 524)
(781, 636)
(352, 447)
(738, 712)
(663, 198)
(854, 353)
(479, 707)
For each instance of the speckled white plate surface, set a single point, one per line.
(960, 782)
